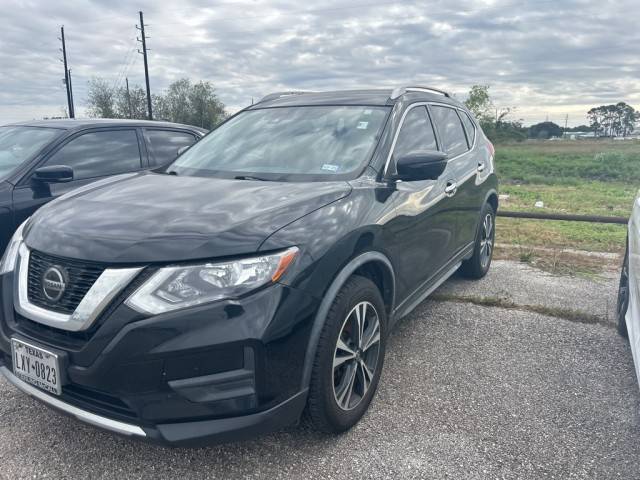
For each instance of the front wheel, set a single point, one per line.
(623, 297)
(349, 357)
(478, 265)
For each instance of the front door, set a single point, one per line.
(424, 229)
(92, 155)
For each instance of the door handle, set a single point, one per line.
(480, 167)
(451, 188)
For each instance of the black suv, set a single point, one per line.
(44, 159)
(257, 275)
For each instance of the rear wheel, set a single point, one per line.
(478, 265)
(349, 358)
(623, 296)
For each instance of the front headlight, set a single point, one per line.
(173, 288)
(8, 262)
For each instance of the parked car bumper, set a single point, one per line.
(633, 312)
(215, 373)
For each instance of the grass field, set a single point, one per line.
(582, 177)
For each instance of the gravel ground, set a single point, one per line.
(467, 392)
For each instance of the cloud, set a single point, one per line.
(547, 58)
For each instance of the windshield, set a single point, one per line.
(291, 143)
(19, 144)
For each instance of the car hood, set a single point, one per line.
(163, 218)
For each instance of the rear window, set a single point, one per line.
(469, 127)
(164, 145)
(454, 140)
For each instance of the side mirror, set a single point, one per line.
(53, 174)
(421, 165)
(183, 149)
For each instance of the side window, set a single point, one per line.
(469, 127)
(98, 154)
(416, 133)
(163, 145)
(454, 141)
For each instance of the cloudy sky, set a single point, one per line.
(547, 58)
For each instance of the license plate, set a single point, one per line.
(36, 366)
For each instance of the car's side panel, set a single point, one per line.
(633, 312)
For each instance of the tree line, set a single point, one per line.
(182, 102)
(605, 121)
(197, 104)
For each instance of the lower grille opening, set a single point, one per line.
(51, 335)
(97, 402)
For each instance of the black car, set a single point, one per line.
(257, 275)
(42, 160)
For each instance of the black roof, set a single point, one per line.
(82, 123)
(380, 97)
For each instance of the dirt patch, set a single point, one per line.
(576, 316)
(561, 261)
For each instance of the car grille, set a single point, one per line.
(81, 277)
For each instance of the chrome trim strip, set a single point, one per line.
(404, 115)
(109, 284)
(82, 415)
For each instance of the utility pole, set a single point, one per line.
(129, 98)
(146, 65)
(66, 74)
(566, 121)
(73, 108)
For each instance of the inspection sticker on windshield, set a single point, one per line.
(331, 168)
(363, 125)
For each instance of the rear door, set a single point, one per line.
(92, 154)
(460, 173)
(163, 144)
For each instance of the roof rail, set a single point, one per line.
(399, 91)
(273, 96)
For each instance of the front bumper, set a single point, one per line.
(220, 372)
(180, 434)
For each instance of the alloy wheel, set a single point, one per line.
(486, 240)
(623, 291)
(356, 355)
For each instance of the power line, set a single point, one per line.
(126, 64)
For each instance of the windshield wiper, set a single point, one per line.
(251, 177)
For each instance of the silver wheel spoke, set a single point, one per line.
(347, 354)
(361, 315)
(373, 338)
(367, 377)
(488, 226)
(344, 396)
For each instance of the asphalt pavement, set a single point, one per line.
(468, 391)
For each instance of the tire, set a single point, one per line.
(478, 265)
(623, 296)
(331, 408)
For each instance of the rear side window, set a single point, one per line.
(98, 154)
(469, 127)
(163, 145)
(453, 138)
(416, 133)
